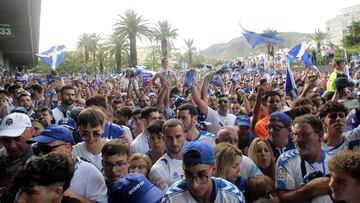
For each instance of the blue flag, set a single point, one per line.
(347, 71)
(299, 52)
(54, 56)
(290, 85)
(254, 38)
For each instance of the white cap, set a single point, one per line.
(13, 125)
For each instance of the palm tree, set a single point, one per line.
(102, 56)
(94, 44)
(116, 45)
(84, 44)
(132, 26)
(319, 38)
(190, 49)
(270, 46)
(164, 34)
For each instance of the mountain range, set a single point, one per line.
(238, 47)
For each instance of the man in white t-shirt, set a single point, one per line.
(187, 114)
(168, 169)
(141, 143)
(168, 74)
(300, 173)
(333, 116)
(199, 185)
(219, 118)
(87, 184)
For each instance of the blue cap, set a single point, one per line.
(280, 116)
(201, 153)
(242, 120)
(135, 188)
(52, 133)
(68, 123)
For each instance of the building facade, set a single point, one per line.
(337, 27)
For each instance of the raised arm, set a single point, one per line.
(202, 106)
(205, 85)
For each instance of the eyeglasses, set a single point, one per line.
(134, 167)
(116, 165)
(274, 127)
(45, 149)
(200, 179)
(95, 135)
(222, 101)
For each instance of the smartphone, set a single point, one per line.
(351, 104)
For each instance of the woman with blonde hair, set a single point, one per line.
(228, 159)
(140, 163)
(261, 153)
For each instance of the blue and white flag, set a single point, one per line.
(299, 52)
(290, 85)
(254, 38)
(54, 56)
(347, 71)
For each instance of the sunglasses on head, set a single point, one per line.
(44, 149)
(222, 101)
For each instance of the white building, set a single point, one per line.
(337, 27)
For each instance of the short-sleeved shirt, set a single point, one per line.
(217, 121)
(351, 141)
(89, 182)
(204, 136)
(290, 177)
(223, 191)
(140, 144)
(80, 150)
(168, 169)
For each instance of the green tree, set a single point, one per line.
(84, 44)
(132, 26)
(152, 59)
(73, 62)
(319, 38)
(190, 50)
(353, 38)
(164, 33)
(94, 45)
(117, 46)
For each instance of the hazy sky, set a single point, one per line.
(206, 21)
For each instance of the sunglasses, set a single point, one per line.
(44, 149)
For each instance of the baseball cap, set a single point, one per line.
(13, 125)
(52, 133)
(280, 116)
(242, 120)
(135, 188)
(198, 152)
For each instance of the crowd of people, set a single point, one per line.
(225, 135)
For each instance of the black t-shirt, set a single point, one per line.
(67, 199)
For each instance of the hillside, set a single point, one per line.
(238, 47)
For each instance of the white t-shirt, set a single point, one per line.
(289, 176)
(79, 150)
(127, 133)
(88, 182)
(351, 141)
(58, 115)
(217, 121)
(204, 137)
(168, 169)
(225, 192)
(248, 168)
(140, 144)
